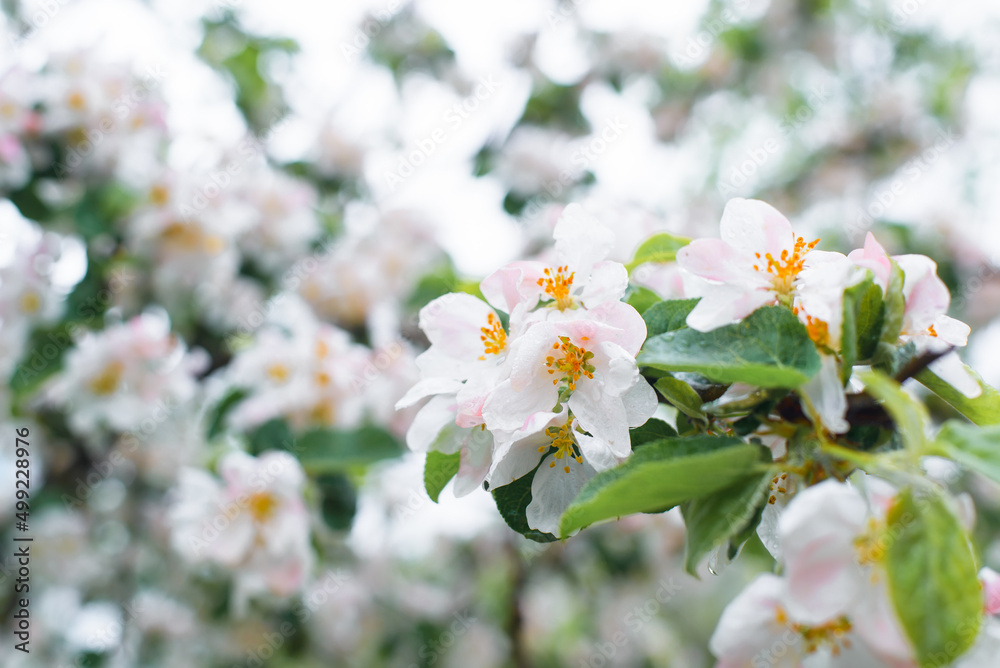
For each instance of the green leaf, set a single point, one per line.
(932, 578)
(714, 519)
(661, 247)
(325, 450)
(864, 313)
(983, 410)
(770, 349)
(681, 395)
(910, 415)
(438, 470)
(667, 316)
(338, 500)
(640, 298)
(217, 416)
(659, 476)
(652, 430)
(272, 435)
(512, 501)
(895, 306)
(976, 448)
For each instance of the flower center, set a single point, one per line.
(493, 336)
(831, 634)
(558, 286)
(159, 195)
(574, 363)
(818, 330)
(76, 101)
(278, 373)
(786, 268)
(564, 443)
(262, 506)
(108, 380)
(324, 413)
(872, 544)
(30, 302)
(189, 238)
(778, 486)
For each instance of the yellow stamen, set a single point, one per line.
(786, 268)
(572, 365)
(493, 336)
(76, 101)
(159, 195)
(262, 506)
(108, 380)
(558, 285)
(30, 302)
(279, 373)
(565, 444)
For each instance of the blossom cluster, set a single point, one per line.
(552, 386)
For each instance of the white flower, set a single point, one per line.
(253, 522)
(926, 303)
(759, 629)
(125, 375)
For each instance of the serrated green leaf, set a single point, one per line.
(667, 316)
(976, 448)
(659, 476)
(895, 306)
(323, 450)
(438, 470)
(910, 415)
(640, 298)
(983, 410)
(512, 501)
(932, 578)
(661, 247)
(712, 520)
(770, 348)
(681, 395)
(864, 313)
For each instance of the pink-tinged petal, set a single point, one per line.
(990, 581)
(581, 240)
(512, 461)
(817, 531)
(232, 544)
(603, 416)
(951, 370)
(597, 453)
(926, 295)
(875, 622)
(426, 388)
(726, 305)
(608, 282)
(513, 284)
(631, 328)
(715, 260)
(553, 489)
(874, 258)
(951, 331)
(474, 462)
(640, 403)
(454, 322)
(473, 395)
(827, 401)
(429, 421)
(753, 226)
(508, 409)
(751, 625)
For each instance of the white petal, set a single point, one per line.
(427, 387)
(826, 394)
(553, 489)
(581, 240)
(429, 421)
(951, 370)
(757, 227)
(607, 282)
